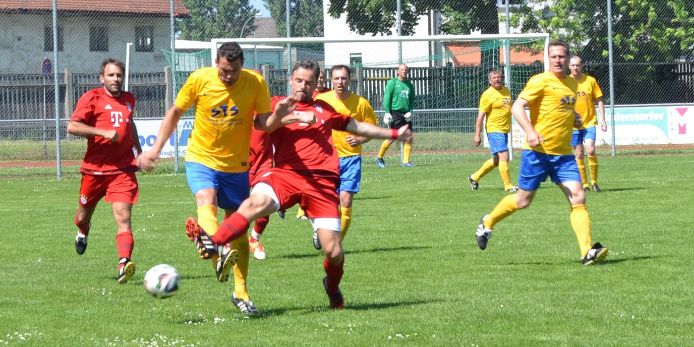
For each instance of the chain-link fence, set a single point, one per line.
(43, 50)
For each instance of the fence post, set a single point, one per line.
(265, 71)
(69, 97)
(169, 86)
(360, 81)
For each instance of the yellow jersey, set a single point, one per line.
(588, 91)
(551, 102)
(223, 117)
(496, 104)
(354, 106)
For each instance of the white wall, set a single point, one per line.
(372, 53)
(21, 42)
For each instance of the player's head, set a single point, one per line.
(403, 70)
(576, 66)
(558, 53)
(111, 75)
(340, 78)
(496, 79)
(229, 62)
(320, 86)
(304, 79)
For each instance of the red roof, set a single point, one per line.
(146, 7)
(469, 53)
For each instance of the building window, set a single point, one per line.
(98, 39)
(48, 39)
(355, 60)
(144, 39)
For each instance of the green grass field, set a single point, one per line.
(413, 275)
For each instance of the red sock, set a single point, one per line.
(125, 243)
(232, 228)
(261, 224)
(83, 228)
(334, 273)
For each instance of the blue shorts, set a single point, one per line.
(536, 166)
(580, 135)
(350, 173)
(232, 188)
(498, 142)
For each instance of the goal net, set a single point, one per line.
(449, 73)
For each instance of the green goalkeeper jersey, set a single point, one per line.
(399, 96)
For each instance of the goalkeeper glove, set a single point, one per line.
(387, 118)
(408, 116)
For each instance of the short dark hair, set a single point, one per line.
(308, 65)
(230, 50)
(560, 43)
(111, 61)
(341, 67)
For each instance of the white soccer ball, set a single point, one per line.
(161, 281)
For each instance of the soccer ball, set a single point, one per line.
(161, 281)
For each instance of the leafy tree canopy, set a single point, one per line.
(217, 18)
(306, 17)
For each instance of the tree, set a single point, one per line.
(217, 18)
(379, 16)
(306, 17)
(648, 37)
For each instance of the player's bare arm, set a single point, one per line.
(601, 108)
(518, 112)
(136, 137)
(84, 130)
(375, 132)
(149, 160)
(355, 140)
(477, 139)
(272, 121)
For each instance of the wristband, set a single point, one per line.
(394, 134)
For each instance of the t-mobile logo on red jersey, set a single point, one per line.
(116, 118)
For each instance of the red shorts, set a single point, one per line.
(254, 178)
(316, 194)
(120, 187)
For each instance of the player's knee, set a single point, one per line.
(257, 205)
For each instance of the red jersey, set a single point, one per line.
(260, 157)
(309, 147)
(98, 109)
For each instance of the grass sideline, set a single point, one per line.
(414, 274)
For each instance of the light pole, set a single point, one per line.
(243, 27)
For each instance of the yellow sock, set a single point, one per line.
(406, 150)
(241, 267)
(505, 174)
(300, 212)
(384, 148)
(486, 168)
(503, 209)
(345, 220)
(580, 222)
(593, 165)
(582, 171)
(207, 219)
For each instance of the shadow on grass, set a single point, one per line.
(608, 190)
(354, 307)
(606, 262)
(357, 251)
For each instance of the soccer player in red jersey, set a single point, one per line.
(260, 160)
(104, 116)
(305, 172)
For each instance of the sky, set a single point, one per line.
(264, 12)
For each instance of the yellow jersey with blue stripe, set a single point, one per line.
(588, 91)
(223, 117)
(354, 106)
(496, 104)
(551, 102)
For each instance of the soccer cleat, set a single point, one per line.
(224, 264)
(316, 241)
(257, 249)
(247, 307)
(380, 162)
(281, 213)
(408, 164)
(483, 234)
(80, 243)
(126, 270)
(337, 302)
(513, 189)
(596, 254)
(596, 188)
(474, 184)
(586, 188)
(203, 243)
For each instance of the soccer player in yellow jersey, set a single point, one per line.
(550, 97)
(583, 139)
(495, 106)
(226, 98)
(347, 144)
